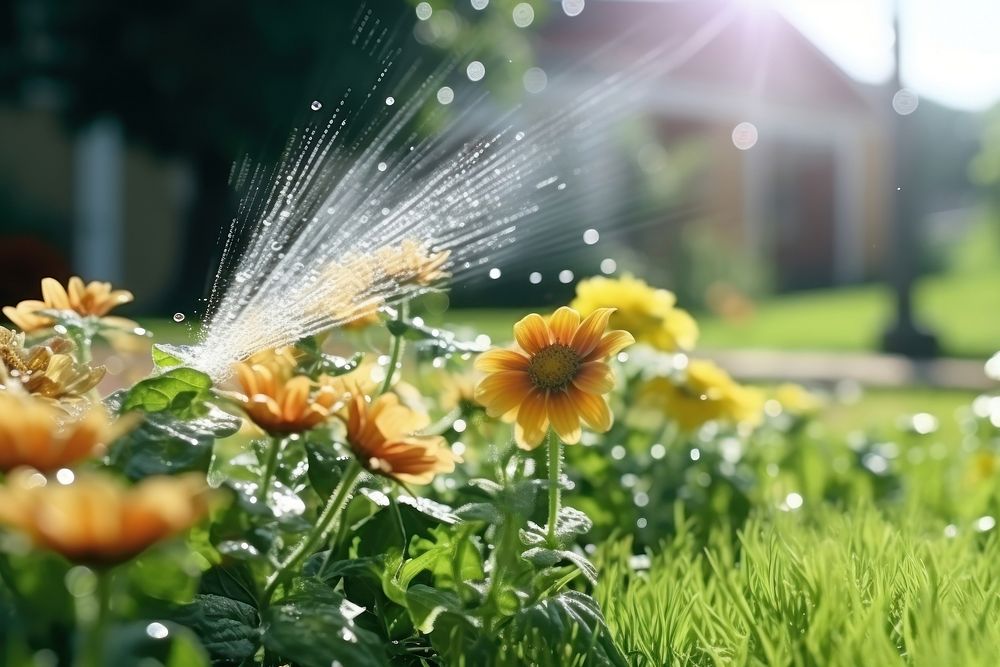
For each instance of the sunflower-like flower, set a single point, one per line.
(47, 369)
(413, 263)
(37, 434)
(97, 520)
(382, 436)
(703, 393)
(559, 375)
(279, 401)
(94, 299)
(648, 313)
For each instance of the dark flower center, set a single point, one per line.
(554, 367)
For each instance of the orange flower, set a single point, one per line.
(280, 402)
(557, 376)
(95, 519)
(37, 434)
(381, 435)
(45, 370)
(93, 299)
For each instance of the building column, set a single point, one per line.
(99, 201)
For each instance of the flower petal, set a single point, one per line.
(595, 377)
(589, 334)
(565, 420)
(593, 409)
(502, 392)
(563, 325)
(532, 420)
(54, 294)
(531, 333)
(496, 360)
(611, 344)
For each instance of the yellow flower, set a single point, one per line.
(412, 262)
(381, 435)
(648, 313)
(704, 393)
(797, 400)
(458, 390)
(557, 375)
(279, 401)
(93, 299)
(46, 370)
(37, 434)
(97, 520)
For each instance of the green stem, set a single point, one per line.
(270, 467)
(555, 459)
(95, 631)
(397, 350)
(320, 533)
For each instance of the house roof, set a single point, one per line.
(756, 53)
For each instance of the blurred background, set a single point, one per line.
(822, 175)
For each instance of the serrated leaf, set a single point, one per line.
(315, 628)
(570, 618)
(228, 628)
(232, 580)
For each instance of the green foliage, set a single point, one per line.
(843, 589)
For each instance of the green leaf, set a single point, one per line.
(228, 628)
(426, 603)
(164, 359)
(433, 341)
(554, 629)
(166, 444)
(542, 557)
(232, 580)
(338, 569)
(315, 627)
(175, 391)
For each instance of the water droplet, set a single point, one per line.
(745, 136)
(519, 136)
(480, 5)
(608, 266)
(524, 15)
(591, 236)
(157, 630)
(445, 95)
(905, 102)
(316, 105)
(382, 166)
(565, 276)
(494, 273)
(535, 80)
(475, 71)
(178, 317)
(424, 11)
(535, 277)
(572, 7)
(389, 101)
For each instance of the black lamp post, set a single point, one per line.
(904, 336)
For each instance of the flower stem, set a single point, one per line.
(555, 459)
(397, 349)
(270, 467)
(327, 518)
(95, 632)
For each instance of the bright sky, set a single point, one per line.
(951, 48)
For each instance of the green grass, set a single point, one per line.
(854, 588)
(962, 308)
